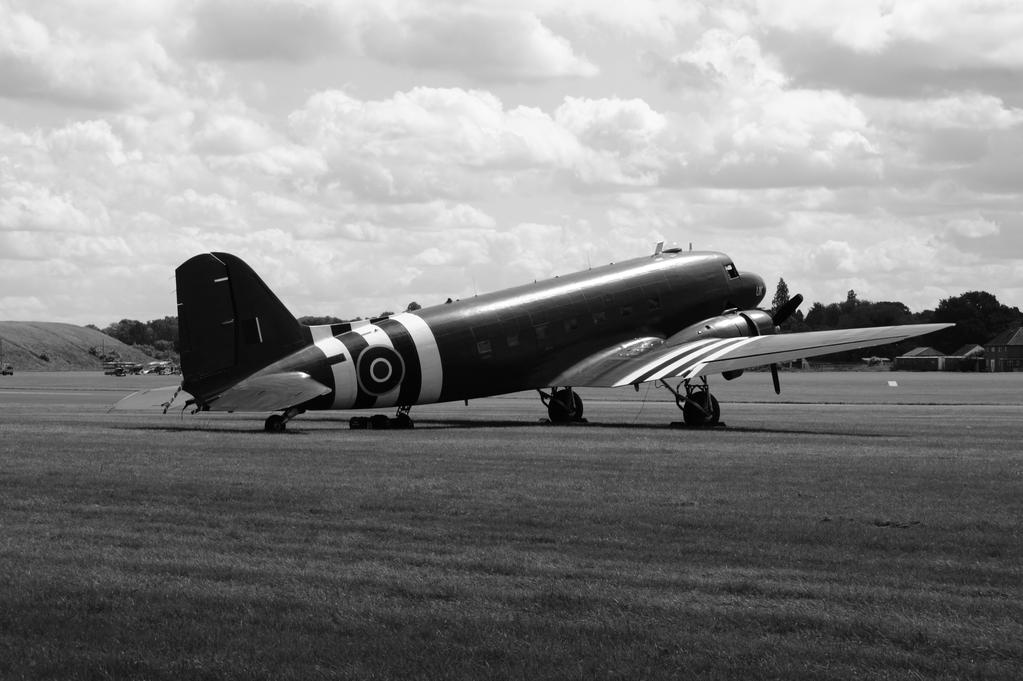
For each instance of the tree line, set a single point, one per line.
(158, 338)
(978, 316)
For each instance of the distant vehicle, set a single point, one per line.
(121, 368)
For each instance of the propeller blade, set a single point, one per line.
(786, 310)
(779, 316)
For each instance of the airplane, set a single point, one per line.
(672, 317)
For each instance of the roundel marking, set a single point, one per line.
(380, 369)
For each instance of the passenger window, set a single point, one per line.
(626, 310)
(513, 340)
(483, 347)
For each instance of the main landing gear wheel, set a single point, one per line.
(278, 423)
(563, 406)
(701, 410)
(275, 423)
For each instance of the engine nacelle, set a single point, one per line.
(730, 324)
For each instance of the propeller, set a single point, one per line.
(779, 316)
(786, 310)
(775, 379)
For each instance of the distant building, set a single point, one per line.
(970, 357)
(920, 359)
(1004, 352)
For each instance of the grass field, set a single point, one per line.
(878, 536)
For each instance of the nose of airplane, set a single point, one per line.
(753, 288)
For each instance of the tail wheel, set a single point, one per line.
(565, 405)
(701, 409)
(275, 423)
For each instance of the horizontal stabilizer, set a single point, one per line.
(271, 392)
(155, 399)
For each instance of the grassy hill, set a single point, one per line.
(53, 346)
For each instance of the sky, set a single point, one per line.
(363, 155)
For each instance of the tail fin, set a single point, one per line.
(230, 324)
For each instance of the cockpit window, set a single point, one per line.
(732, 272)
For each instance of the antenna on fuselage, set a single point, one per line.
(690, 246)
(658, 248)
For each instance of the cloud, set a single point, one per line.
(264, 30)
(27, 207)
(63, 65)
(616, 125)
(904, 69)
(723, 59)
(903, 49)
(231, 135)
(754, 130)
(210, 211)
(490, 43)
(661, 21)
(973, 111)
(974, 227)
(970, 140)
(485, 42)
(457, 143)
(985, 33)
(25, 308)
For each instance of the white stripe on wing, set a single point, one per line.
(703, 355)
(697, 368)
(667, 357)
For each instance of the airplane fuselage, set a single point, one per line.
(517, 339)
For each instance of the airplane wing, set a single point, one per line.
(271, 392)
(650, 359)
